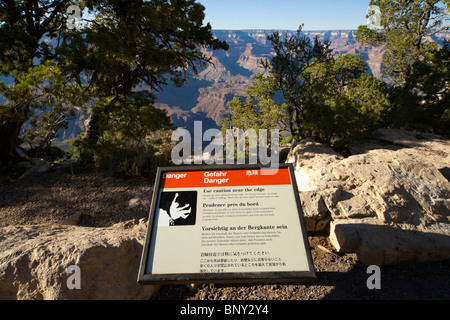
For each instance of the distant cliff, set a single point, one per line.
(205, 96)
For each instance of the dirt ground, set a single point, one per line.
(52, 197)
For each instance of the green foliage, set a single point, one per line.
(423, 102)
(332, 100)
(416, 67)
(132, 49)
(112, 64)
(342, 102)
(49, 153)
(294, 54)
(404, 27)
(132, 116)
(259, 110)
(339, 102)
(366, 36)
(24, 24)
(120, 155)
(45, 96)
(131, 43)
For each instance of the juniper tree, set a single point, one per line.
(293, 55)
(404, 29)
(124, 51)
(23, 26)
(132, 49)
(413, 62)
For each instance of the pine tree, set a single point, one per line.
(404, 27)
(132, 49)
(294, 54)
(22, 29)
(413, 63)
(125, 50)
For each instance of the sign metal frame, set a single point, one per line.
(226, 277)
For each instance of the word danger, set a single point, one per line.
(176, 176)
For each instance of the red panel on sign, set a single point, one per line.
(225, 178)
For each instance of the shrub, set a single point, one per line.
(49, 153)
(133, 158)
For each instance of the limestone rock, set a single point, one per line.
(315, 212)
(73, 219)
(311, 160)
(35, 165)
(140, 199)
(392, 185)
(395, 185)
(133, 203)
(377, 243)
(34, 261)
(424, 147)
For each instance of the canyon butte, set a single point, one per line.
(204, 96)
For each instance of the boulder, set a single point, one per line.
(315, 213)
(311, 160)
(424, 147)
(377, 243)
(35, 166)
(35, 260)
(395, 186)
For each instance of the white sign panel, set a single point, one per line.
(225, 224)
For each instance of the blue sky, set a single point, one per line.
(285, 14)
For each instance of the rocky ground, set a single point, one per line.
(95, 199)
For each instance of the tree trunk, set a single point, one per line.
(91, 136)
(9, 141)
(91, 126)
